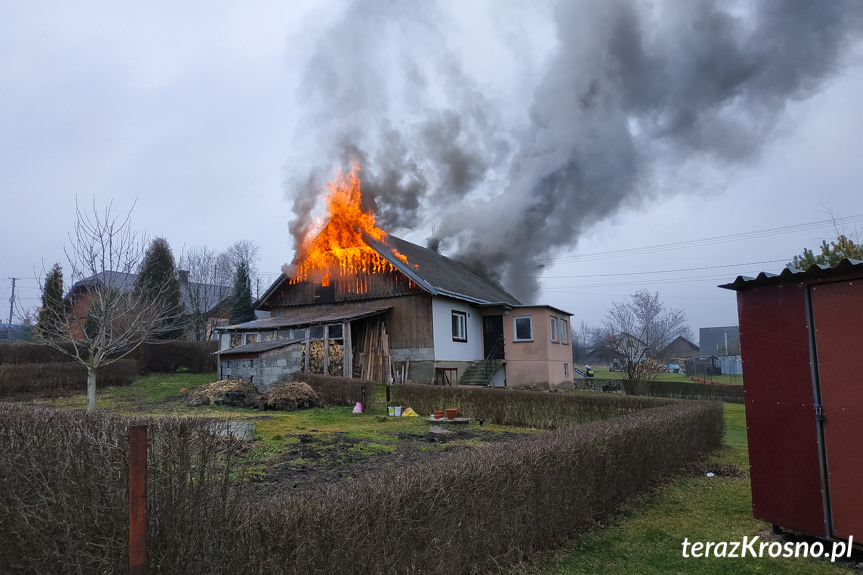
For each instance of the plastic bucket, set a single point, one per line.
(397, 411)
(391, 411)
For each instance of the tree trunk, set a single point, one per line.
(91, 389)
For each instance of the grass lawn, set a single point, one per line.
(647, 537)
(159, 394)
(602, 373)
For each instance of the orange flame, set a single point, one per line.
(340, 248)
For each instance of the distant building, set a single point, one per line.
(679, 349)
(719, 341)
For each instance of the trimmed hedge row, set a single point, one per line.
(161, 357)
(58, 377)
(64, 504)
(693, 390)
(63, 501)
(479, 510)
(335, 390)
(519, 408)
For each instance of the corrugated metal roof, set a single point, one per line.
(305, 316)
(259, 346)
(790, 274)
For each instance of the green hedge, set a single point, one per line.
(335, 390)
(157, 357)
(693, 390)
(521, 408)
(60, 377)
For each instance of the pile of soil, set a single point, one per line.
(291, 396)
(230, 392)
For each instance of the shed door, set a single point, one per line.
(837, 310)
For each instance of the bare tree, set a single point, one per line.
(240, 252)
(104, 318)
(637, 331)
(203, 289)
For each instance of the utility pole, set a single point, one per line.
(12, 302)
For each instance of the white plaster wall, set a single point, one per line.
(445, 349)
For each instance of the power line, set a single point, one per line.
(705, 241)
(662, 271)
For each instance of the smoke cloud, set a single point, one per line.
(582, 108)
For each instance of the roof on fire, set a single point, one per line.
(435, 273)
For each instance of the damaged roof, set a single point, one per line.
(441, 275)
(815, 272)
(433, 272)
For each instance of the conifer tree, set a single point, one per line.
(51, 314)
(241, 310)
(157, 282)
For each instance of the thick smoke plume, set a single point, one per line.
(589, 107)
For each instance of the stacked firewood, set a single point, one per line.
(336, 357)
(316, 356)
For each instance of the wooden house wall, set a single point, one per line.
(354, 287)
(409, 322)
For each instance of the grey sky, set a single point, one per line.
(216, 119)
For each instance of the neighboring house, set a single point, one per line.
(410, 314)
(724, 344)
(206, 305)
(679, 350)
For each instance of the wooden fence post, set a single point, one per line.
(138, 500)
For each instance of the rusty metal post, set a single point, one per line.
(138, 500)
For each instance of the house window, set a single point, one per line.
(267, 336)
(565, 369)
(335, 331)
(564, 329)
(236, 339)
(554, 329)
(316, 332)
(459, 326)
(299, 334)
(523, 328)
(251, 338)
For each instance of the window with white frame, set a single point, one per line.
(523, 327)
(554, 329)
(565, 369)
(459, 326)
(564, 330)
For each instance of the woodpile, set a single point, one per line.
(336, 357)
(316, 356)
(372, 358)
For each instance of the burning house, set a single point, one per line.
(360, 303)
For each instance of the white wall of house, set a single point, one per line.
(445, 348)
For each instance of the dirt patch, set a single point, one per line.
(310, 462)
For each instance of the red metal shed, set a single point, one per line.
(801, 338)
